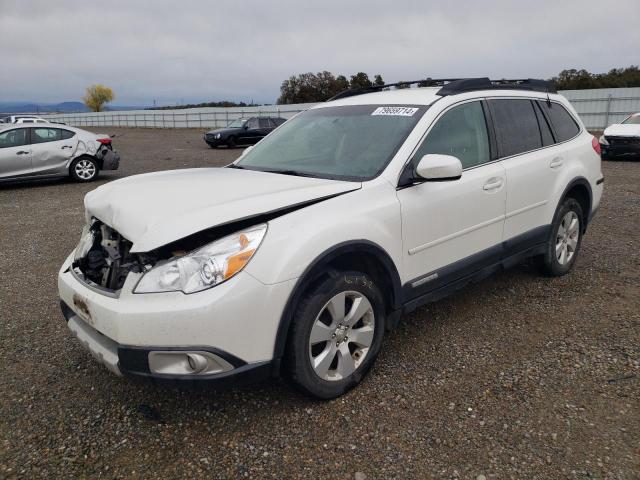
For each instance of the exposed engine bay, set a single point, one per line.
(103, 257)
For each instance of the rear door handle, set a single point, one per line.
(556, 162)
(66, 146)
(22, 152)
(492, 184)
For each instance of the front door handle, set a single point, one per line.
(66, 146)
(492, 184)
(22, 152)
(556, 162)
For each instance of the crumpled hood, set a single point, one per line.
(154, 209)
(623, 130)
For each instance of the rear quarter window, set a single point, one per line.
(563, 123)
(66, 134)
(516, 126)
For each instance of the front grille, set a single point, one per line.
(620, 141)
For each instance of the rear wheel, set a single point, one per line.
(336, 334)
(83, 169)
(565, 240)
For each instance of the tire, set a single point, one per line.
(332, 363)
(84, 169)
(564, 242)
(231, 142)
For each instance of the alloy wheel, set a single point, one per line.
(85, 169)
(567, 238)
(341, 336)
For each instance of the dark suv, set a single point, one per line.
(243, 131)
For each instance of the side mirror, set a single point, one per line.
(245, 127)
(437, 167)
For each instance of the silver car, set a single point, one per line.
(50, 150)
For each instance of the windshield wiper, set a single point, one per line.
(294, 173)
(233, 165)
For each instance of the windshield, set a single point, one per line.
(354, 142)
(239, 123)
(633, 120)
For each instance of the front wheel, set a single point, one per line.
(565, 239)
(83, 169)
(336, 334)
(231, 143)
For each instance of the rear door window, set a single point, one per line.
(563, 123)
(516, 126)
(545, 129)
(43, 135)
(264, 123)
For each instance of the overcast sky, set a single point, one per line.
(185, 51)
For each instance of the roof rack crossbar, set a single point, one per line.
(452, 86)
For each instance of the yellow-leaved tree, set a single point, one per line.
(97, 96)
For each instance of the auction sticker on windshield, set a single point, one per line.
(398, 111)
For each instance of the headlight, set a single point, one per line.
(603, 140)
(87, 240)
(205, 267)
(217, 136)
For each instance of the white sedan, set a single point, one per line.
(49, 150)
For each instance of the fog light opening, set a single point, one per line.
(197, 363)
(187, 363)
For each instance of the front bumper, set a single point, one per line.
(135, 361)
(213, 142)
(621, 148)
(234, 323)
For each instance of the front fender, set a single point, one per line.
(295, 240)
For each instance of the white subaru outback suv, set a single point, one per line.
(298, 257)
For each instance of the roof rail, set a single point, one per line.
(452, 86)
(484, 83)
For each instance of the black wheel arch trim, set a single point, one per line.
(309, 275)
(579, 181)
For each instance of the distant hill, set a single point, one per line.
(63, 107)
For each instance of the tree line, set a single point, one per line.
(224, 103)
(582, 79)
(319, 87)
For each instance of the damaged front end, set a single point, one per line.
(109, 158)
(103, 259)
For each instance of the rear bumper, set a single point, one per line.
(110, 160)
(135, 361)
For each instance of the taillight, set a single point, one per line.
(596, 145)
(105, 141)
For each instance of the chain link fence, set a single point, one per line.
(187, 118)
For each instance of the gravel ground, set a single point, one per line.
(516, 377)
